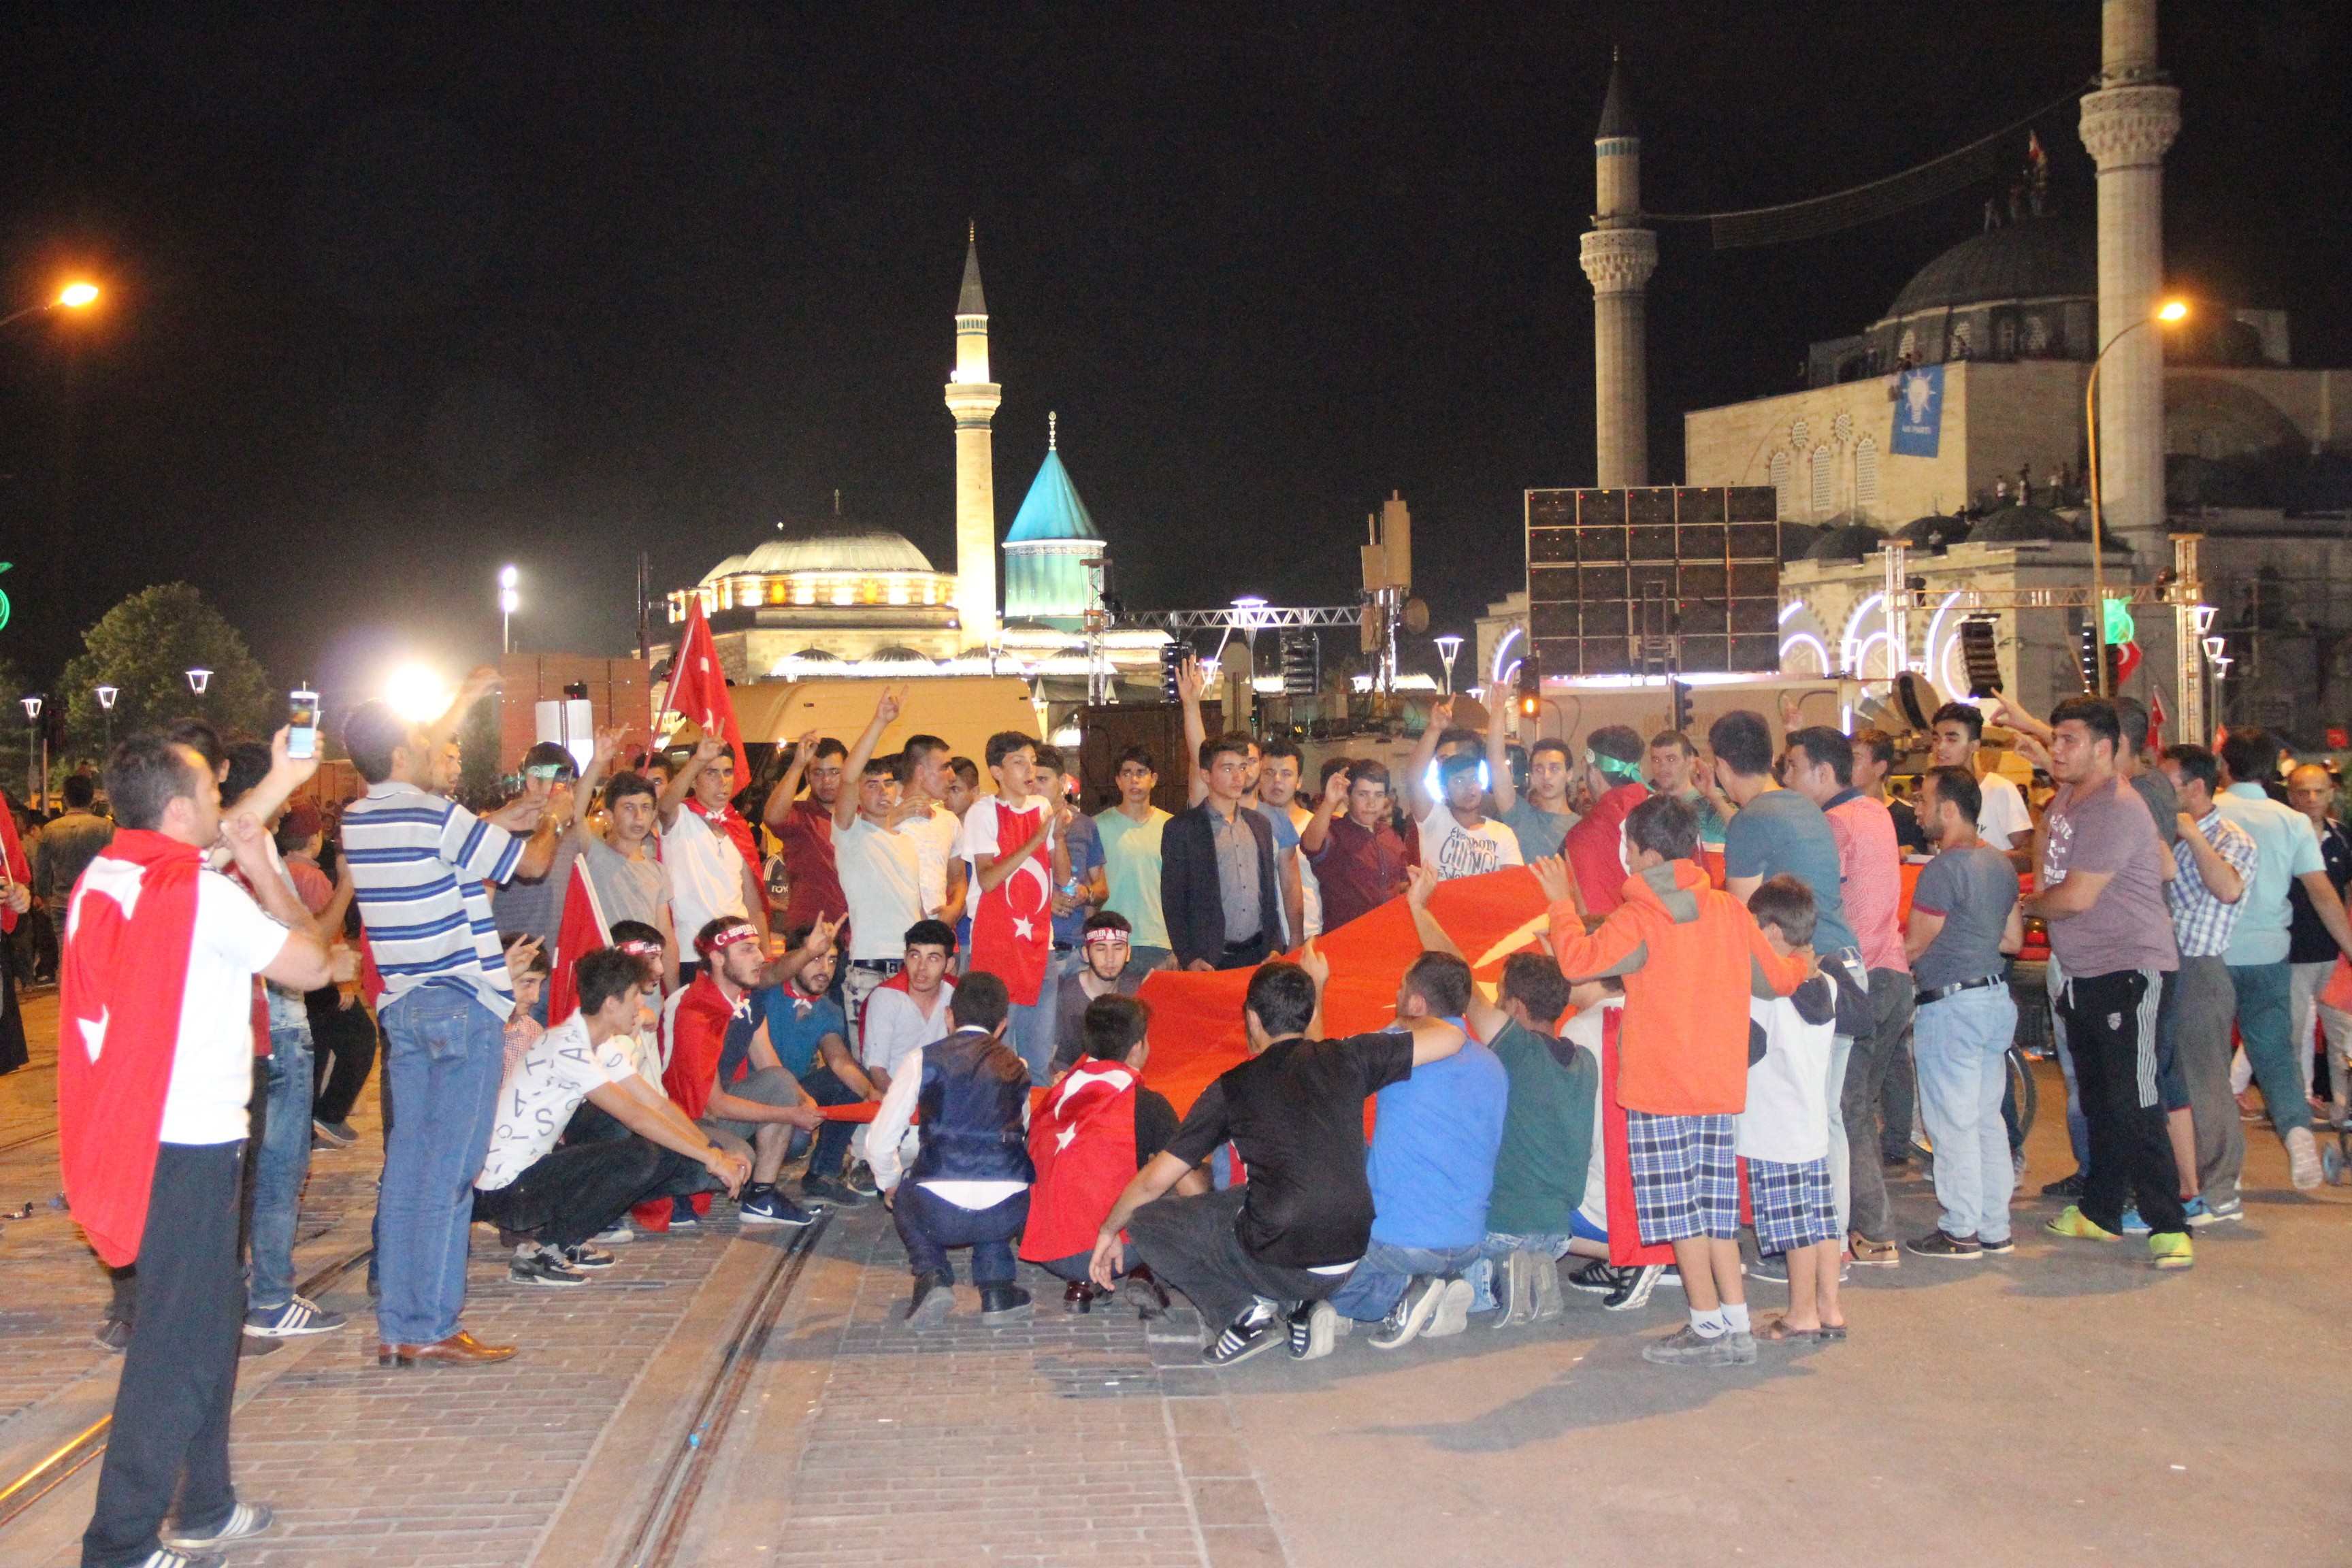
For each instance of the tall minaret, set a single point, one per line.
(2128, 121)
(1619, 257)
(973, 399)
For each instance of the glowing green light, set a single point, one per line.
(2121, 629)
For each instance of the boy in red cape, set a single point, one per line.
(155, 1072)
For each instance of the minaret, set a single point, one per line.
(972, 399)
(2128, 121)
(1619, 257)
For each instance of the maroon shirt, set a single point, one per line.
(1358, 869)
(806, 836)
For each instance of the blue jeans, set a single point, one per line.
(279, 1169)
(1372, 1291)
(444, 1050)
(2265, 1028)
(1498, 1247)
(1961, 1047)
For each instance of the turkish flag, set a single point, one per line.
(12, 858)
(698, 689)
(582, 931)
(1013, 924)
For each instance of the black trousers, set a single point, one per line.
(930, 1226)
(2111, 1029)
(1243, 954)
(1190, 1247)
(169, 1436)
(343, 1047)
(579, 1189)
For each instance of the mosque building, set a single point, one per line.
(837, 596)
(1955, 425)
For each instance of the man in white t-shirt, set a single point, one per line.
(1457, 838)
(2004, 822)
(881, 869)
(708, 874)
(910, 1010)
(143, 897)
(925, 777)
(551, 1200)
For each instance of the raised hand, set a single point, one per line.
(886, 710)
(1419, 882)
(1190, 678)
(295, 769)
(1335, 790)
(708, 748)
(1553, 875)
(1441, 714)
(1317, 967)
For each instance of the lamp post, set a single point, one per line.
(106, 696)
(75, 296)
(1448, 648)
(199, 679)
(32, 747)
(510, 601)
(2172, 312)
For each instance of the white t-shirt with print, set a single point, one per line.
(706, 874)
(538, 1099)
(211, 1064)
(1452, 851)
(882, 882)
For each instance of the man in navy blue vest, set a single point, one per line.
(969, 1185)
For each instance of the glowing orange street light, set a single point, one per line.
(78, 294)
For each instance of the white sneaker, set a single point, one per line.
(2303, 1159)
(1453, 1313)
(619, 1236)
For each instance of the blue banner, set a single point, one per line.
(1919, 412)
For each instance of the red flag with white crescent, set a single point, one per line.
(584, 930)
(697, 688)
(1012, 925)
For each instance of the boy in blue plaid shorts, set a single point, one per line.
(1690, 956)
(1784, 1134)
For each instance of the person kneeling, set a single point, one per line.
(552, 1200)
(1096, 1127)
(969, 1186)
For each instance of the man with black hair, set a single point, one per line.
(1281, 1242)
(1540, 818)
(1009, 840)
(881, 869)
(708, 853)
(1103, 970)
(1131, 834)
(911, 1008)
(1873, 759)
(2216, 861)
(624, 860)
(548, 1202)
(2312, 952)
(1545, 1154)
(421, 865)
(2257, 956)
(70, 841)
(1095, 1128)
(1448, 796)
(1219, 887)
(1820, 766)
(1612, 776)
(925, 777)
(1959, 731)
(1359, 859)
(1672, 768)
(1431, 1169)
(2101, 894)
(969, 1183)
(803, 830)
(1281, 770)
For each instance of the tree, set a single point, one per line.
(144, 647)
(13, 731)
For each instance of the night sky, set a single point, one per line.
(401, 292)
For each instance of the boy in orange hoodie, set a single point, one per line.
(1690, 957)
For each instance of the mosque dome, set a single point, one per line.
(1797, 538)
(1847, 542)
(2034, 525)
(831, 546)
(1934, 532)
(2038, 258)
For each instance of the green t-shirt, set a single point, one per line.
(1131, 871)
(1547, 1133)
(1540, 832)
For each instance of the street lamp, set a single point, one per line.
(198, 678)
(1448, 648)
(32, 747)
(510, 601)
(2172, 313)
(78, 295)
(106, 696)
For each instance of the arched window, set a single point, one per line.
(1825, 481)
(1784, 492)
(1866, 474)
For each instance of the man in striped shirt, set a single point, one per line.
(422, 866)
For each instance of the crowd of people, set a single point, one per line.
(599, 1007)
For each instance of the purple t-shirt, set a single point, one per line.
(2107, 829)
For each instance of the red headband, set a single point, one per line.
(731, 936)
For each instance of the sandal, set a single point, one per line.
(1778, 1331)
(1832, 1330)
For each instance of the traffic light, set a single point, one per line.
(1302, 663)
(1530, 688)
(1682, 706)
(1173, 654)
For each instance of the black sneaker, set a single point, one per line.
(933, 1299)
(2000, 1249)
(542, 1266)
(2067, 1187)
(1315, 1328)
(1772, 1266)
(1634, 1293)
(682, 1215)
(771, 1207)
(1258, 1330)
(1936, 1244)
(113, 1335)
(860, 1180)
(1414, 1310)
(1600, 1277)
(1002, 1304)
(588, 1255)
(341, 1134)
(821, 1190)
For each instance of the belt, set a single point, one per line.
(1940, 992)
(1065, 947)
(1247, 942)
(880, 965)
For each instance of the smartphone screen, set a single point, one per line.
(302, 725)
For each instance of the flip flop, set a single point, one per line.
(1778, 1332)
(1832, 1330)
